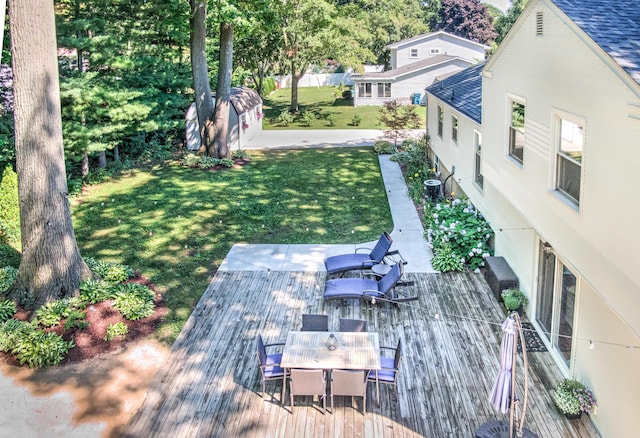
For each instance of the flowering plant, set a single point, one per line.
(245, 125)
(260, 115)
(572, 397)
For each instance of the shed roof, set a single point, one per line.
(425, 64)
(462, 91)
(244, 99)
(613, 24)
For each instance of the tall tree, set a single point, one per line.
(223, 92)
(200, 71)
(465, 18)
(505, 22)
(51, 266)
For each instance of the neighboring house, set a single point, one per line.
(560, 136)
(415, 63)
(245, 119)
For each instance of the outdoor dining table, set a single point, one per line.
(354, 351)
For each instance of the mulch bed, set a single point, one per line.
(89, 342)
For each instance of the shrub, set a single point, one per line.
(8, 275)
(115, 330)
(39, 349)
(268, 86)
(226, 162)
(307, 118)
(356, 119)
(52, 313)
(190, 160)
(134, 301)
(240, 154)
(384, 147)
(513, 299)
(9, 210)
(331, 120)
(285, 118)
(347, 94)
(460, 226)
(95, 291)
(7, 310)
(109, 271)
(208, 162)
(445, 259)
(10, 331)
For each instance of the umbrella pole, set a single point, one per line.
(526, 375)
(512, 404)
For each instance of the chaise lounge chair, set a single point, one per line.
(342, 263)
(369, 289)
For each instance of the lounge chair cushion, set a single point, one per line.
(350, 288)
(348, 262)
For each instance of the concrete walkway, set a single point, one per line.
(407, 231)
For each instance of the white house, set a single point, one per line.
(560, 147)
(245, 119)
(415, 63)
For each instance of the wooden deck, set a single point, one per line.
(210, 386)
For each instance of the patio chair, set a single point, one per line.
(269, 364)
(342, 263)
(353, 325)
(315, 323)
(369, 289)
(349, 383)
(389, 369)
(308, 382)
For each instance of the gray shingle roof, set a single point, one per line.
(613, 24)
(462, 91)
(424, 64)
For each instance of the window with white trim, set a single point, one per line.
(477, 146)
(516, 132)
(434, 51)
(364, 89)
(413, 53)
(569, 159)
(440, 120)
(454, 128)
(384, 89)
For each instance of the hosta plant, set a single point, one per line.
(38, 349)
(118, 329)
(134, 301)
(445, 260)
(7, 275)
(96, 291)
(7, 310)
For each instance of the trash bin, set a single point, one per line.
(433, 189)
(415, 98)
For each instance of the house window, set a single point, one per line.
(516, 132)
(477, 146)
(413, 53)
(569, 159)
(539, 23)
(384, 89)
(454, 128)
(364, 89)
(434, 51)
(555, 304)
(440, 120)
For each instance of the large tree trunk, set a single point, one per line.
(200, 73)
(293, 108)
(223, 92)
(51, 266)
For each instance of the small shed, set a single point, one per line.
(245, 119)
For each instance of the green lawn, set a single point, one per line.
(175, 225)
(323, 101)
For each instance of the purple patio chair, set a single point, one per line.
(269, 364)
(342, 263)
(389, 369)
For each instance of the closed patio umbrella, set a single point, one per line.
(501, 392)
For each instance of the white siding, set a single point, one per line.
(447, 45)
(563, 72)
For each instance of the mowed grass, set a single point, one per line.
(175, 225)
(322, 102)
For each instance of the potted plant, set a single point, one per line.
(514, 299)
(573, 398)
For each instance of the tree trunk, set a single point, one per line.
(200, 73)
(84, 165)
(223, 92)
(51, 266)
(102, 159)
(294, 88)
(116, 154)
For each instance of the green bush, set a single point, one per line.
(190, 160)
(38, 349)
(384, 147)
(285, 118)
(109, 271)
(9, 209)
(356, 119)
(7, 310)
(460, 226)
(226, 162)
(10, 331)
(241, 154)
(514, 298)
(134, 301)
(52, 313)
(307, 118)
(445, 259)
(331, 120)
(8, 275)
(115, 330)
(208, 162)
(268, 86)
(95, 291)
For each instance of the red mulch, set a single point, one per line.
(89, 342)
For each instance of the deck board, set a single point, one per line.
(210, 385)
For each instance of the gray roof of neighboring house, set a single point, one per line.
(613, 24)
(462, 91)
(431, 35)
(409, 68)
